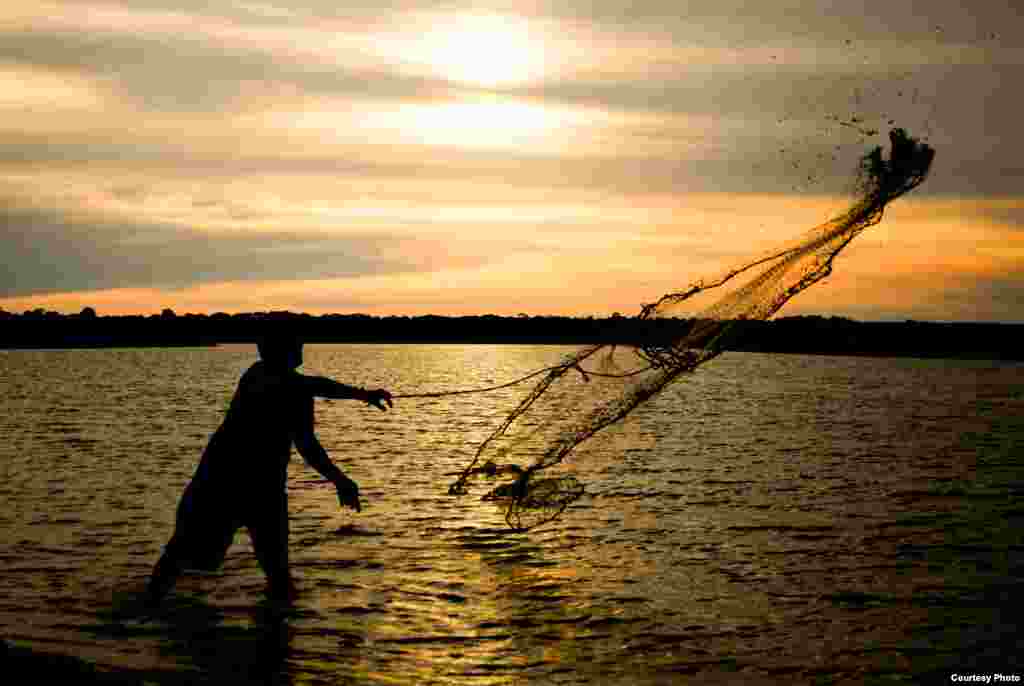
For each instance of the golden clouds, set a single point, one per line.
(919, 263)
(35, 91)
(463, 159)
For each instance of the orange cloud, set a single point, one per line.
(929, 259)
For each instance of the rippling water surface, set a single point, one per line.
(769, 519)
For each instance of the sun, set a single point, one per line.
(484, 50)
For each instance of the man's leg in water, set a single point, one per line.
(202, 535)
(165, 573)
(269, 533)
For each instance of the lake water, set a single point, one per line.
(769, 519)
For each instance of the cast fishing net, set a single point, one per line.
(601, 384)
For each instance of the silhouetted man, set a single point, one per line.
(241, 478)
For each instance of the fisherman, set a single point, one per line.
(241, 477)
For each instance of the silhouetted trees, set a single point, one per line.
(40, 328)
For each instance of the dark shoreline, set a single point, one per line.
(810, 335)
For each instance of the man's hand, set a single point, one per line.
(378, 398)
(348, 493)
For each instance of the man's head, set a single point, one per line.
(280, 350)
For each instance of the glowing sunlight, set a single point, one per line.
(480, 123)
(486, 50)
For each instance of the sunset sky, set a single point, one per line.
(578, 158)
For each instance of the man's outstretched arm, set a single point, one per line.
(322, 387)
(314, 454)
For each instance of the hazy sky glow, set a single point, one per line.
(503, 157)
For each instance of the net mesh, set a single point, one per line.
(570, 404)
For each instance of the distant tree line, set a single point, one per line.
(804, 334)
